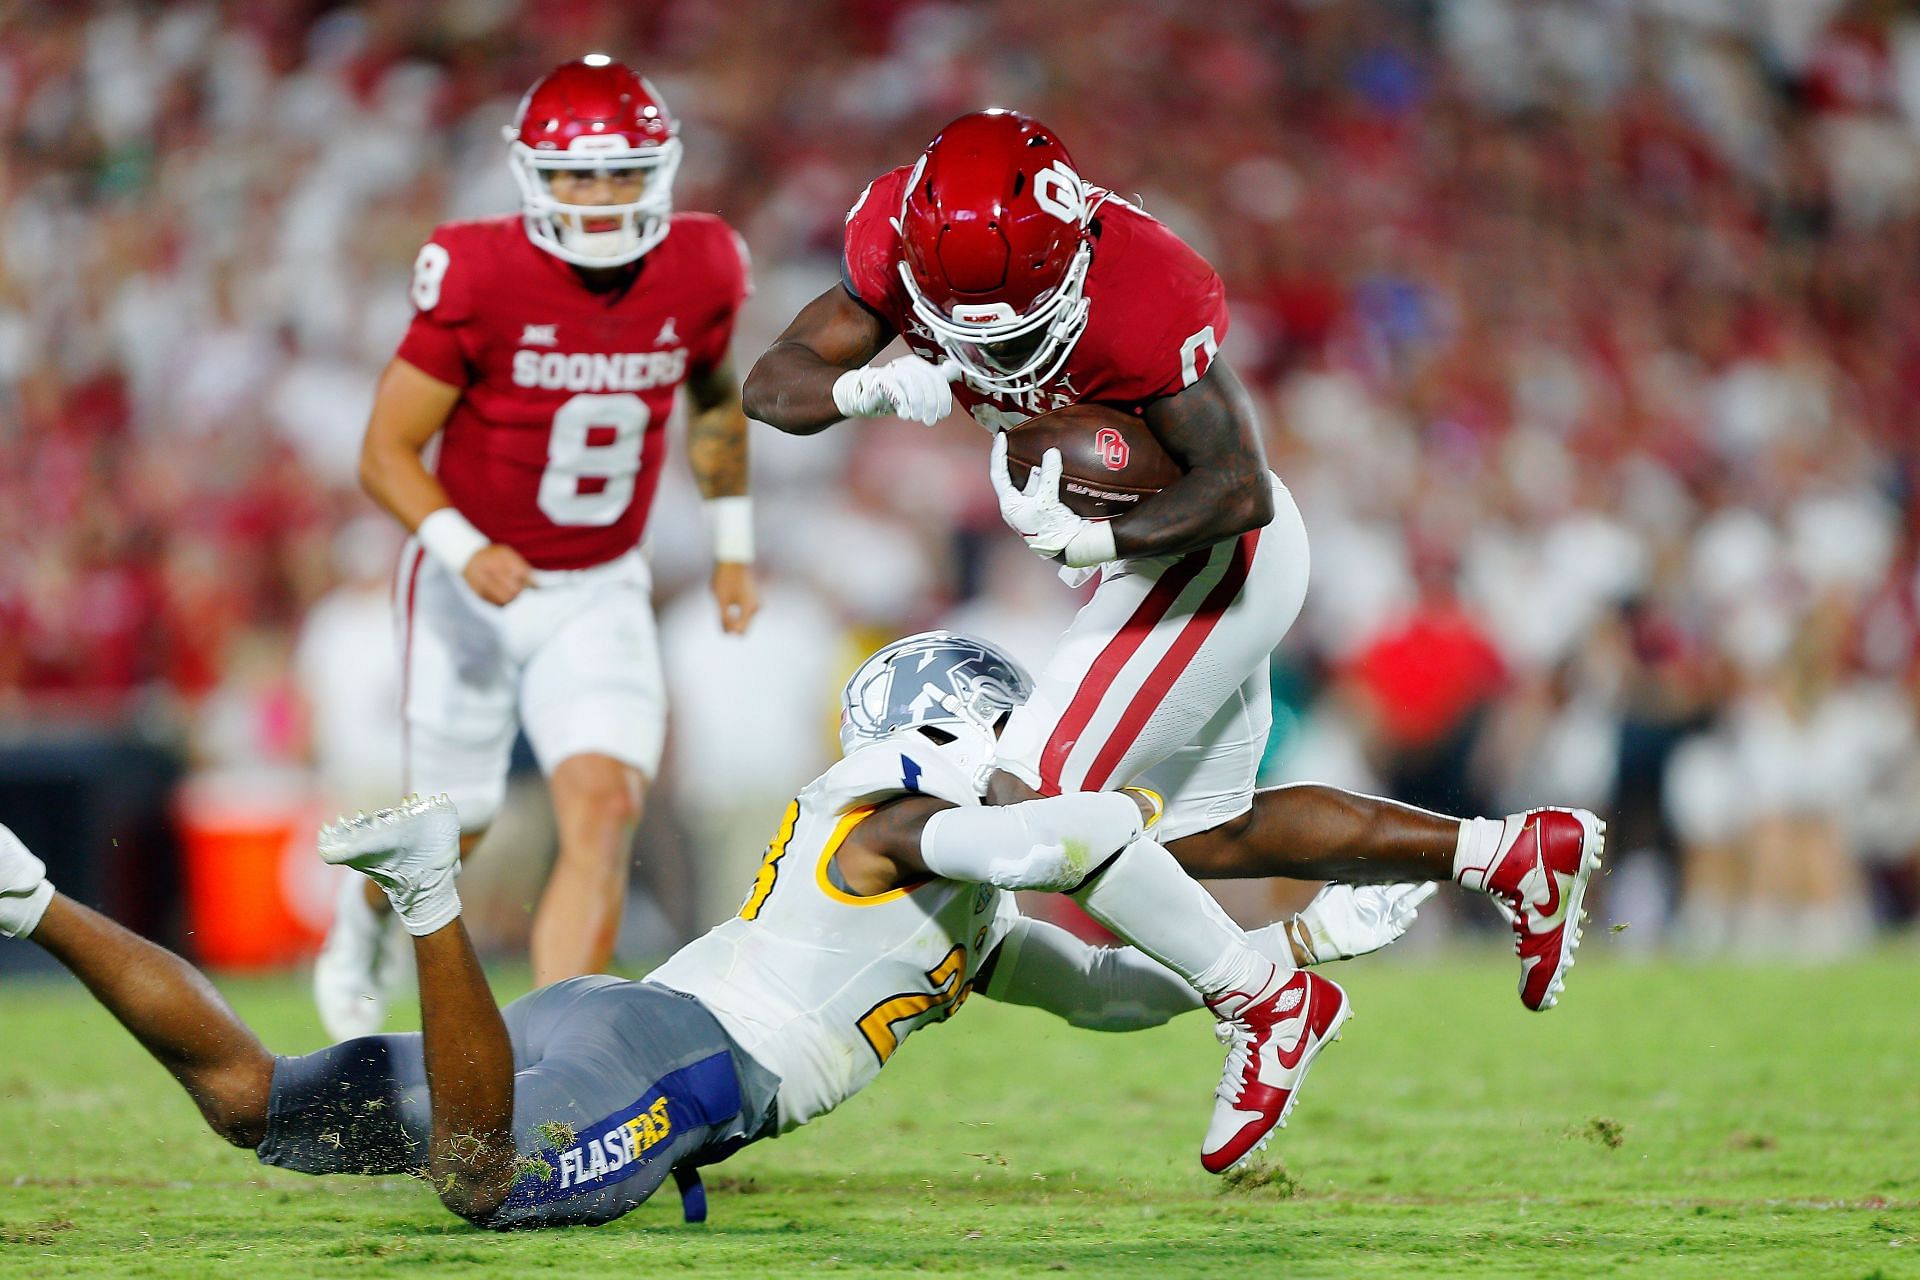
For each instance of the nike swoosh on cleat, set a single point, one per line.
(1289, 1058)
(1555, 894)
(1551, 907)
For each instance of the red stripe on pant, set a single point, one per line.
(1161, 679)
(1106, 668)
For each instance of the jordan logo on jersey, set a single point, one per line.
(539, 335)
(667, 334)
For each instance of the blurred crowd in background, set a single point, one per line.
(1587, 333)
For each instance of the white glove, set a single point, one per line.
(909, 387)
(1345, 920)
(1037, 514)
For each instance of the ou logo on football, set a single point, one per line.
(1057, 189)
(1113, 448)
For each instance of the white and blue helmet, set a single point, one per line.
(939, 680)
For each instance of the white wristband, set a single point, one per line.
(1091, 546)
(450, 538)
(730, 523)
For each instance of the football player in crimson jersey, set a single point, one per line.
(1019, 288)
(545, 355)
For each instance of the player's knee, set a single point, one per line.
(234, 1104)
(479, 1207)
(610, 806)
(243, 1129)
(474, 1184)
(597, 791)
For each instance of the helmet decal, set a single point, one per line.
(1058, 190)
(995, 247)
(937, 679)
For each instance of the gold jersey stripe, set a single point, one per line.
(770, 865)
(851, 819)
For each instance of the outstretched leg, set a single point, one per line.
(411, 851)
(172, 1010)
(1534, 865)
(1307, 832)
(469, 1074)
(1311, 832)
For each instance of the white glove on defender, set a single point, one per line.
(1345, 920)
(909, 387)
(24, 891)
(1037, 514)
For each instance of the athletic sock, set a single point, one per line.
(1146, 899)
(424, 907)
(1478, 848)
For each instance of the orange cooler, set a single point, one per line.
(257, 893)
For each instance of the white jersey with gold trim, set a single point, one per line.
(822, 986)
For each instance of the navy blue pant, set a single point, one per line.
(615, 1083)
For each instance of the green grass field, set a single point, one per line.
(1663, 1121)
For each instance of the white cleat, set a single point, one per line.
(411, 850)
(1273, 1036)
(24, 891)
(1539, 883)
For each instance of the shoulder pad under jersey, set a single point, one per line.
(903, 765)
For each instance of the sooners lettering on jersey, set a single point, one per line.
(556, 443)
(1158, 311)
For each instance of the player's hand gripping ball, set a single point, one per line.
(1035, 512)
(1110, 462)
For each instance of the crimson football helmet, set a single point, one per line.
(594, 115)
(995, 248)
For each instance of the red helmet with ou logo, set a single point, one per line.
(995, 248)
(595, 116)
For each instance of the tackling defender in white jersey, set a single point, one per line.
(880, 906)
(883, 903)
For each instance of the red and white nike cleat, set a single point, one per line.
(1273, 1034)
(1539, 878)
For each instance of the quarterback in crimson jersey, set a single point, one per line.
(1018, 287)
(519, 433)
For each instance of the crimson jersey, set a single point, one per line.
(1157, 310)
(556, 443)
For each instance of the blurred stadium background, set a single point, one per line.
(1588, 333)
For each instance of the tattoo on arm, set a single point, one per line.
(1213, 432)
(717, 433)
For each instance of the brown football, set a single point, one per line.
(1109, 461)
